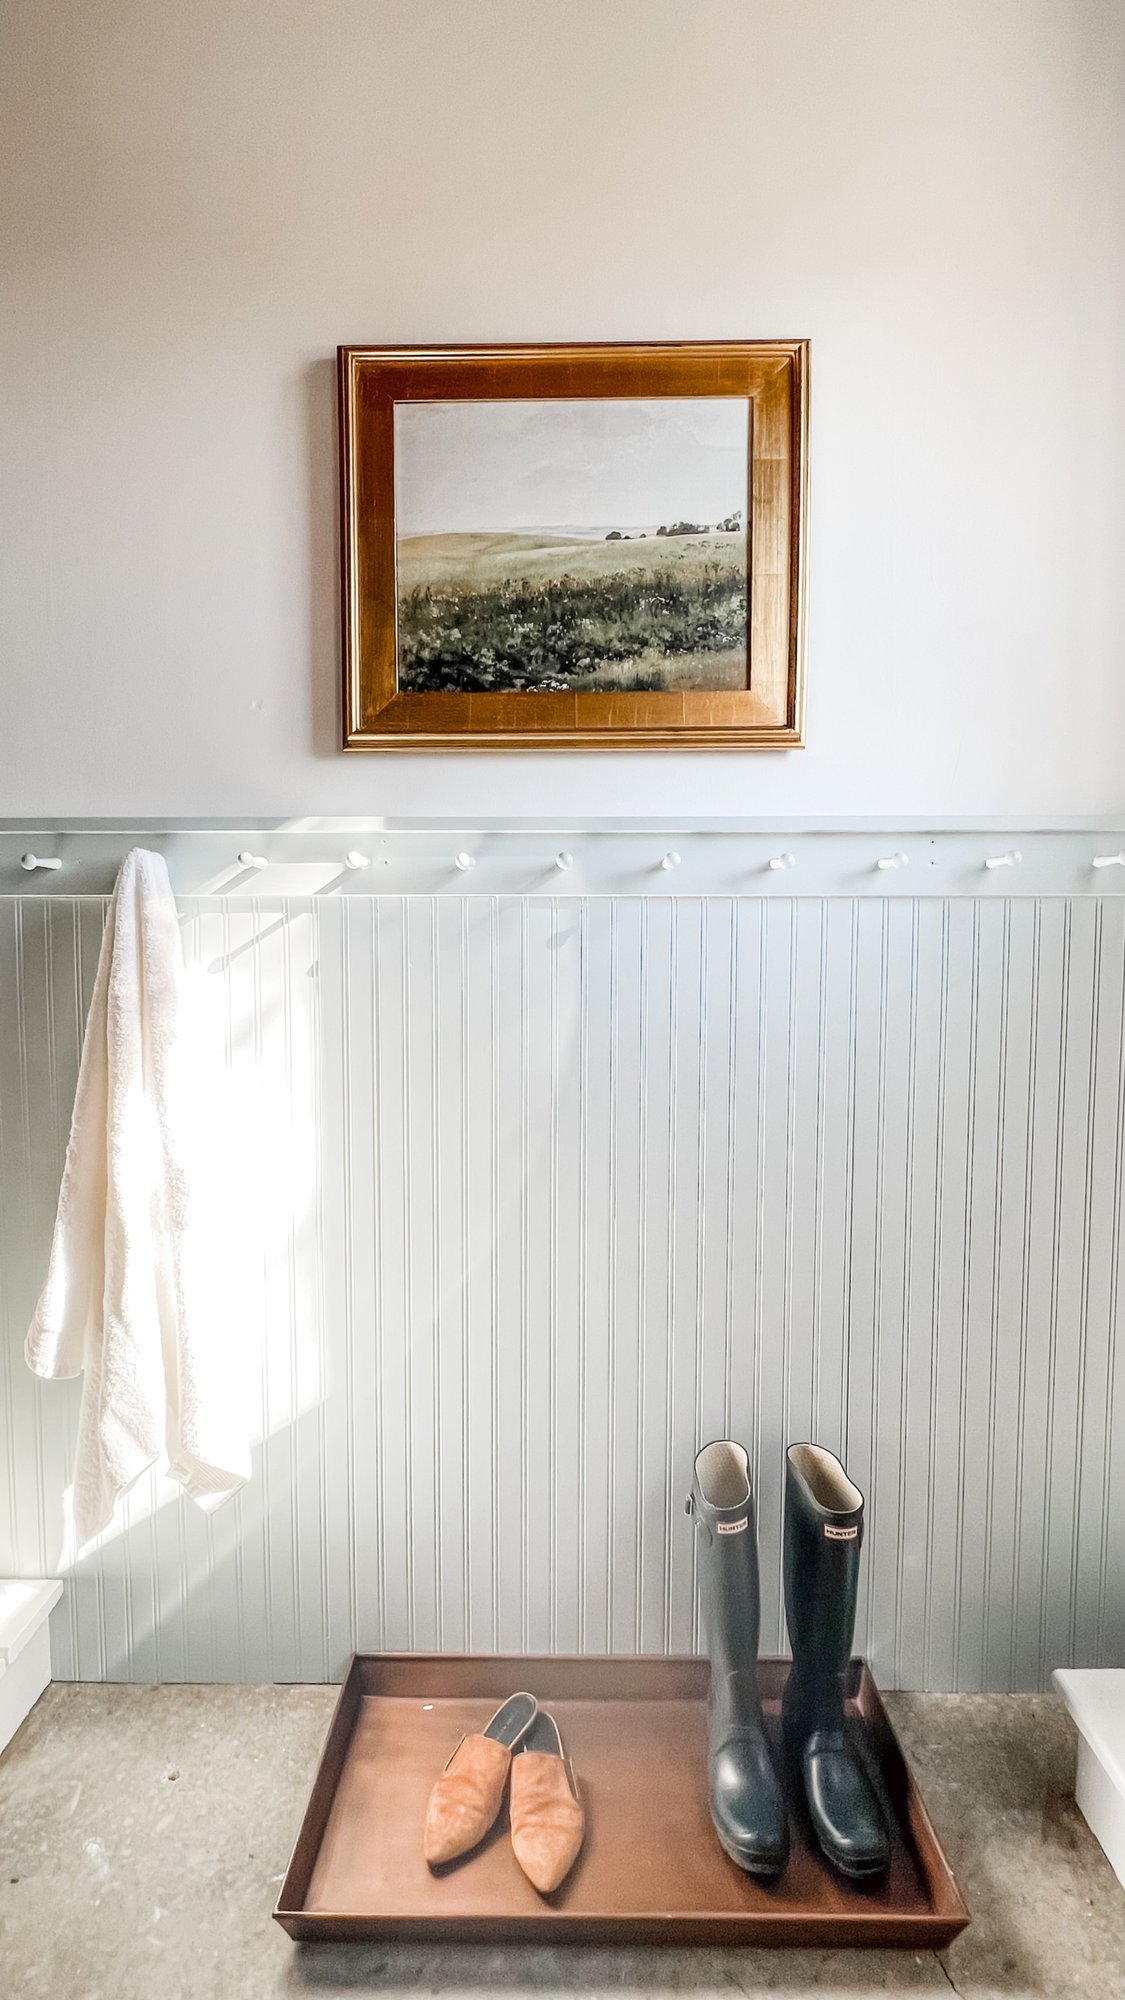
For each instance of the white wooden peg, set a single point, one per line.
(564, 860)
(30, 861)
(1011, 859)
(355, 859)
(463, 861)
(671, 860)
(248, 860)
(893, 861)
(1108, 861)
(783, 861)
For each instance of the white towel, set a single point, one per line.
(132, 1299)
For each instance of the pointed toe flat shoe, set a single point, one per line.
(548, 1824)
(470, 1791)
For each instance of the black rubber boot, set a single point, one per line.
(823, 1538)
(747, 1804)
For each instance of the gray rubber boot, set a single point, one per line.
(747, 1804)
(823, 1539)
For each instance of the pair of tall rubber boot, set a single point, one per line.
(823, 1537)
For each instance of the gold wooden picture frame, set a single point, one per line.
(593, 547)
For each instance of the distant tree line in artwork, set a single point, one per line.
(732, 525)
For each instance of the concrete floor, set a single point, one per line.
(144, 1832)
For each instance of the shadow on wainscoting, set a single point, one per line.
(322, 542)
(226, 959)
(249, 1591)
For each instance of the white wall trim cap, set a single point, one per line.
(1095, 1697)
(25, 1605)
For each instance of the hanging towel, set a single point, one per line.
(132, 1300)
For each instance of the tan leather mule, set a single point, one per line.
(468, 1795)
(548, 1823)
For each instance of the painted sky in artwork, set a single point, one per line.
(581, 466)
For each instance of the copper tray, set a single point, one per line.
(651, 1871)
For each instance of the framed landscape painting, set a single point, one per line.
(574, 546)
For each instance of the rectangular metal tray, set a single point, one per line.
(651, 1871)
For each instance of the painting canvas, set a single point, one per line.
(594, 544)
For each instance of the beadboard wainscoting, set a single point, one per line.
(530, 1194)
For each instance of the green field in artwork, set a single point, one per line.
(489, 612)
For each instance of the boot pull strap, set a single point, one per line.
(689, 1509)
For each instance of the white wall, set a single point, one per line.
(201, 200)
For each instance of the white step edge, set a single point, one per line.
(25, 1605)
(1095, 1697)
(25, 1649)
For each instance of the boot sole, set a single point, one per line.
(870, 1873)
(764, 1871)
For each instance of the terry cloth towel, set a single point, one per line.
(130, 1302)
